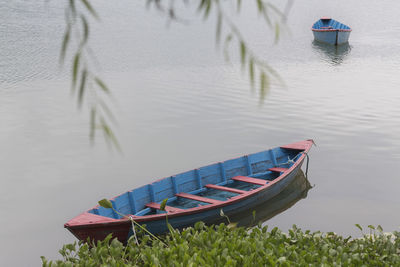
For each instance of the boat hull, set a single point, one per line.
(333, 37)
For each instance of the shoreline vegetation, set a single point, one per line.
(228, 245)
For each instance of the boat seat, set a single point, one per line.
(250, 180)
(156, 206)
(278, 169)
(199, 198)
(224, 188)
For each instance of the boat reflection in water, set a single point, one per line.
(294, 192)
(334, 55)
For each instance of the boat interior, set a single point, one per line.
(328, 23)
(207, 185)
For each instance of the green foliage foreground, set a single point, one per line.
(224, 245)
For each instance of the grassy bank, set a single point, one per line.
(224, 245)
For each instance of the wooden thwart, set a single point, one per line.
(249, 180)
(277, 169)
(167, 208)
(224, 188)
(198, 198)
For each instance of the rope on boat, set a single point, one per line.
(288, 162)
(308, 159)
(292, 161)
(133, 229)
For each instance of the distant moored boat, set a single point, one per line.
(330, 31)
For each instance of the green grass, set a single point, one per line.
(227, 245)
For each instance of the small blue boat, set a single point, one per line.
(234, 186)
(330, 31)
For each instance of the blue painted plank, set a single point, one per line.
(132, 202)
(210, 174)
(186, 181)
(258, 157)
(151, 192)
(272, 153)
(260, 162)
(222, 169)
(198, 178)
(235, 163)
(249, 171)
(174, 184)
(123, 204)
(116, 216)
(235, 167)
(142, 197)
(163, 189)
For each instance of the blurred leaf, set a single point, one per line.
(239, 4)
(107, 111)
(75, 68)
(85, 27)
(89, 7)
(65, 43)
(264, 85)
(102, 85)
(260, 6)
(242, 52)
(380, 229)
(202, 4)
(266, 15)
(251, 71)
(371, 227)
(109, 134)
(358, 226)
(228, 39)
(105, 203)
(207, 9)
(82, 87)
(219, 27)
(72, 7)
(92, 122)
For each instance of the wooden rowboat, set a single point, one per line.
(235, 186)
(330, 31)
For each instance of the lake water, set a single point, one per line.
(180, 106)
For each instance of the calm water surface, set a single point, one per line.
(181, 106)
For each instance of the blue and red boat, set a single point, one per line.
(330, 31)
(235, 186)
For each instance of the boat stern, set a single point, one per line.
(304, 146)
(96, 227)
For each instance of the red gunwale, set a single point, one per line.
(330, 30)
(89, 220)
